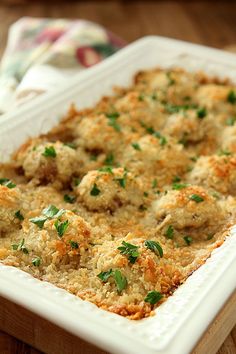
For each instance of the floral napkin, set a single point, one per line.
(43, 53)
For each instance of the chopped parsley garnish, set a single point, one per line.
(120, 280)
(188, 240)
(154, 96)
(171, 108)
(196, 198)
(201, 113)
(154, 183)
(176, 179)
(231, 98)
(36, 261)
(169, 232)
(49, 152)
(39, 221)
(122, 181)
(113, 115)
(141, 97)
(71, 145)
(18, 215)
(74, 245)
(230, 121)
(48, 213)
(194, 158)
(130, 250)
(163, 140)
(145, 194)
(69, 198)
(224, 153)
(104, 276)
(171, 81)
(77, 181)
(7, 183)
(142, 207)
(136, 146)
(61, 227)
(149, 130)
(20, 247)
(178, 186)
(153, 297)
(95, 190)
(155, 247)
(113, 120)
(52, 211)
(109, 159)
(210, 237)
(107, 169)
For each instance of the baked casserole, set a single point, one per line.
(120, 203)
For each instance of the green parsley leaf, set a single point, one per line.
(107, 169)
(122, 181)
(77, 181)
(178, 186)
(194, 158)
(49, 152)
(210, 237)
(104, 276)
(176, 179)
(113, 115)
(69, 198)
(7, 183)
(74, 245)
(141, 97)
(149, 130)
(230, 121)
(71, 145)
(155, 247)
(142, 207)
(153, 297)
(130, 250)
(171, 81)
(145, 194)
(39, 221)
(113, 120)
(36, 261)
(19, 216)
(52, 211)
(197, 198)
(231, 98)
(95, 190)
(224, 153)
(136, 146)
(120, 280)
(61, 227)
(169, 232)
(154, 183)
(201, 113)
(109, 159)
(20, 247)
(188, 240)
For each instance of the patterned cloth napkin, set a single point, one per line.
(43, 53)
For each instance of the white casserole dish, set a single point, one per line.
(183, 318)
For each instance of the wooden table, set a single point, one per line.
(211, 23)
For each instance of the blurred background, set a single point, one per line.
(209, 22)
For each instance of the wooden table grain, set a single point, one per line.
(210, 23)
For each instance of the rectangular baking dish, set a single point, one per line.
(182, 319)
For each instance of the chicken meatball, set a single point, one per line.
(215, 172)
(109, 189)
(45, 161)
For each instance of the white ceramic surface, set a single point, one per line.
(182, 319)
